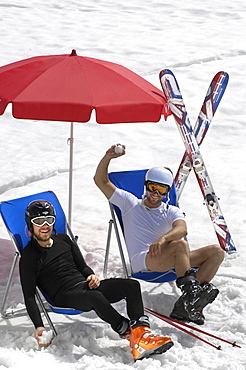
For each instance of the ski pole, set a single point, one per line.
(181, 328)
(180, 324)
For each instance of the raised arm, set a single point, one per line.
(101, 176)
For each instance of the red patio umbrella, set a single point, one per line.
(68, 87)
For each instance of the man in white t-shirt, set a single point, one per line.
(154, 233)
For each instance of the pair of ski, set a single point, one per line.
(192, 139)
(181, 326)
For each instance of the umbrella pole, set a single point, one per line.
(70, 140)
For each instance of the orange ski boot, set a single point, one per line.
(144, 343)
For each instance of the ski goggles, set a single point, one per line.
(162, 189)
(41, 220)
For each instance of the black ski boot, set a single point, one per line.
(194, 298)
(179, 313)
(211, 291)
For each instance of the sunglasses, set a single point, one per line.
(152, 187)
(41, 220)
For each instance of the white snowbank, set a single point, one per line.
(195, 39)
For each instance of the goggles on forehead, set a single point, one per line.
(152, 187)
(41, 220)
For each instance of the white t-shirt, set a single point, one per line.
(143, 225)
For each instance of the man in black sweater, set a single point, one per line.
(54, 263)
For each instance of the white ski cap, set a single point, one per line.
(160, 174)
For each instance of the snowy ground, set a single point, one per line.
(195, 39)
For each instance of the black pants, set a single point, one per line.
(82, 298)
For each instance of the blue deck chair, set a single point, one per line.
(133, 181)
(13, 215)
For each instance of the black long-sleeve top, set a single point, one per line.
(54, 270)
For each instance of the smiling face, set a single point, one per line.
(42, 234)
(153, 199)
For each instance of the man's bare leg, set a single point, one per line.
(208, 259)
(174, 254)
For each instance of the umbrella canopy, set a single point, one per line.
(68, 87)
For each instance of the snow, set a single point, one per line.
(195, 39)
(46, 337)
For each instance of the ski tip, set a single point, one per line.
(222, 72)
(222, 76)
(164, 72)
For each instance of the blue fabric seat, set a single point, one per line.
(13, 215)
